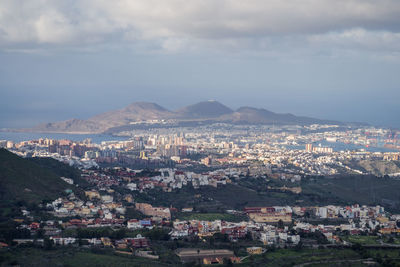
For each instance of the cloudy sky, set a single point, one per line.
(335, 59)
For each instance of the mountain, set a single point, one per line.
(202, 112)
(70, 126)
(29, 181)
(137, 111)
(205, 109)
(251, 115)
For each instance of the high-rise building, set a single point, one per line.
(143, 155)
(309, 147)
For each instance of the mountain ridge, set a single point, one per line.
(209, 111)
(204, 109)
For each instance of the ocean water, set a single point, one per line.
(96, 138)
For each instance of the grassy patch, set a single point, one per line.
(70, 257)
(362, 240)
(290, 257)
(385, 253)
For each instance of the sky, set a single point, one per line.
(331, 59)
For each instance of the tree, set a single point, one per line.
(47, 243)
(228, 262)
(195, 239)
(221, 237)
(119, 234)
(280, 224)
(211, 241)
(158, 234)
(299, 246)
(378, 258)
(40, 233)
(249, 236)
(272, 248)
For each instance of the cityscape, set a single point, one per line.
(171, 133)
(173, 185)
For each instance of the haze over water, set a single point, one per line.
(335, 61)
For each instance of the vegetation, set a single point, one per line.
(100, 232)
(27, 183)
(74, 256)
(61, 169)
(362, 240)
(321, 257)
(132, 213)
(71, 257)
(376, 167)
(361, 189)
(25, 180)
(248, 191)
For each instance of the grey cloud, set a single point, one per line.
(178, 24)
(360, 39)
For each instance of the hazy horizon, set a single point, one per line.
(335, 60)
(56, 117)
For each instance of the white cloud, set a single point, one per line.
(177, 24)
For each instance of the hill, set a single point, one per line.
(316, 191)
(26, 180)
(137, 111)
(376, 167)
(252, 115)
(201, 113)
(70, 126)
(205, 109)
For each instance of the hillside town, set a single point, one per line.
(301, 150)
(126, 197)
(265, 227)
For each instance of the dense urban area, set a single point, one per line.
(213, 194)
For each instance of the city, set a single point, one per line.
(165, 185)
(171, 133)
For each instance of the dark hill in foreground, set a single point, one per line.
(28, 180)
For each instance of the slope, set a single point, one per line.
(252, 115)
(134, 112)
(23, 179)
(205, 109)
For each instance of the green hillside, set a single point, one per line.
(61, 169)
(27, 180)
(375, 167)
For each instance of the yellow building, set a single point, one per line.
(271, 217)
(382, 219)
(216, 260)
(106, 241)
(92, 194)
(143, 155)
(254, 250)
